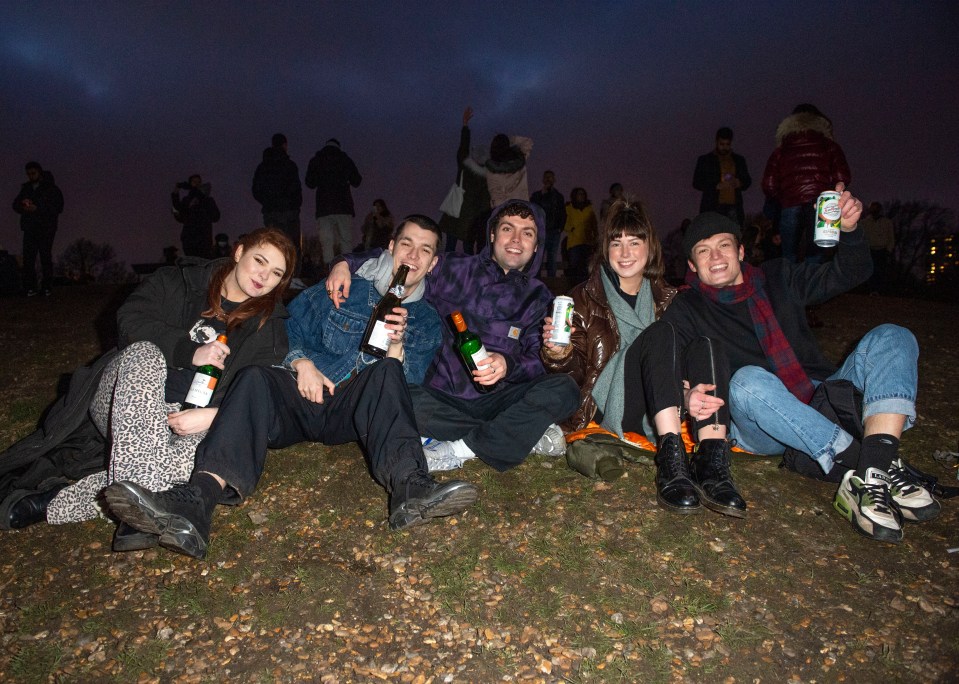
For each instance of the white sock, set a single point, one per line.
(461, 450)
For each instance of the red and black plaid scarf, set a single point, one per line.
(774, 344)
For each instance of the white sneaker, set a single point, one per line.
(552, 443)
(914, 501)
(440, 455)
(867, 504)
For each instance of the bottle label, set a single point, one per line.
(399, 290)
(379, 338)
(479, 355)
(201, 390)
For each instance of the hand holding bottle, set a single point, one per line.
(211, 353)
(191, 421)
(396, 324)
(491, 370)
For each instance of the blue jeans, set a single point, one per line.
(766, 417)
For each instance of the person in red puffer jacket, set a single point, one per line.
(806, 161)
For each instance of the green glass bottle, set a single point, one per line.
(204, 382)
(470, 348)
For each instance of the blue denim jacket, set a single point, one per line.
(331, 337)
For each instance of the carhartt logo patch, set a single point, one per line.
(514, 333)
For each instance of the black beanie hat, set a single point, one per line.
(706, 225)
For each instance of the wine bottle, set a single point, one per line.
(376, 339)
(204, 382)
(470, 348)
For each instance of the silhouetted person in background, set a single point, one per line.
(881, 235)
(221, 246)
(554, 207)
(332, 173)
(615, 194)
(476, 203)
(581, 233)
(806, 162)
(197, 211)
(377, 226)
(721, 175)
(39, 204)
(276, 186)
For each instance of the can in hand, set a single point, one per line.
(828, 218)
(562, 320)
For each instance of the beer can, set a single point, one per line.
(562, 320)
(828, 218)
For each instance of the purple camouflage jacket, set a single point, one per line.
(506, 310)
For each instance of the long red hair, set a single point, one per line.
(254, 306)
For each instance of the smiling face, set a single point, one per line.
(514, 242)
(716, 260)
(258, 271)
(416, 247)
(628, 255)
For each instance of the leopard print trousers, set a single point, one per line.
(129, 408)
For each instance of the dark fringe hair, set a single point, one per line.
(628, 217)
(254, 306)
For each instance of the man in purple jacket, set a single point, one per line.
(504, 303)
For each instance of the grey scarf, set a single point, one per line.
(379, 271)
(609, 392)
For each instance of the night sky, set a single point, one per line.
(121, 100)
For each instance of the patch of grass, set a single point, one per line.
(35, 617)
(142, 659)
(697, 600)
(197, 600)
(452, 582)
(24, 411)
(737, 636)
(36, 662)
(274, 610)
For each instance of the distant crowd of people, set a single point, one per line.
(731, 355)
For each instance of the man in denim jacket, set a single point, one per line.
(336, 394)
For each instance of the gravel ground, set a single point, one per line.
(549, 578)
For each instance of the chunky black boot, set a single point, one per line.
(180, 517)
(31, 509)
(419, 498)
(711, 474)
(674, 487)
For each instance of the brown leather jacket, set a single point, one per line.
(594, 341)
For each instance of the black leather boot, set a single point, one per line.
(31, 509)
(711, 474)
(674, 487)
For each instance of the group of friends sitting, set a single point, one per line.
(731, 354)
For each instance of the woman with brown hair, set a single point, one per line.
(168, 327)
(632, 375)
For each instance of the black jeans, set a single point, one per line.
(38, 240)
(263, 409)
(654, 371)
(500, 427)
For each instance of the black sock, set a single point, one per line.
(209, 488)
(878, 451)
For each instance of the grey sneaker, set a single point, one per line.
(440, 455)
(421, 498)
(914, 501)
(867, 504)
(552, 443)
